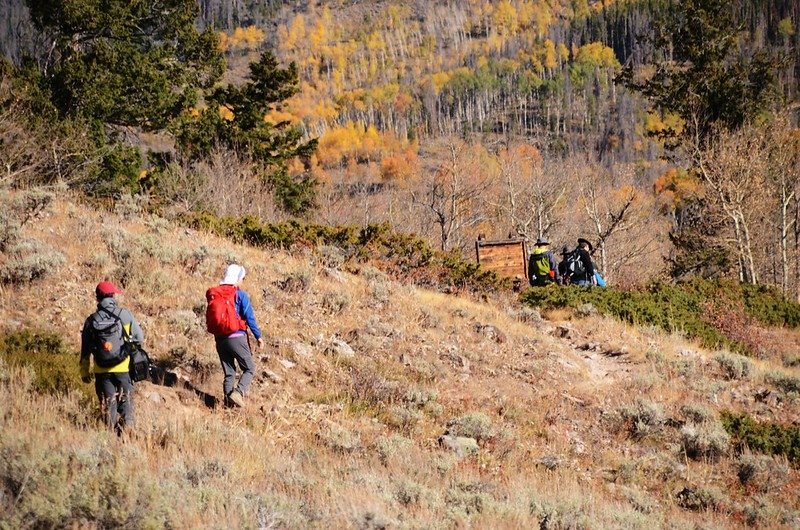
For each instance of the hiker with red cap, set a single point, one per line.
(228, 316)
(102, 340)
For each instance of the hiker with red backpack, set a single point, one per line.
(542, 266)
(105, 337)
(228, 316)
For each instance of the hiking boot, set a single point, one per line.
(236, 398)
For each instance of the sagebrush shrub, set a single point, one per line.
(390, 446)
(697, 413)
(331, 256)
(645, 417)
(195, 259)
(410, 493)
(786, 382)
(733, 366)
(335, 302)
(403, 418)
(370, 387)
(299, 280)
(472, 425)
(704, 441)
(29, 260)
(700, 498)
(129, 206)
(762, 472)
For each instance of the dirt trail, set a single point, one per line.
(603, 364)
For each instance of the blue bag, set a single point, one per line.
(600, 281)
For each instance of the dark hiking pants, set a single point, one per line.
(114, 390)
(234, 350)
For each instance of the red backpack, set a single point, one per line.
(221, 315)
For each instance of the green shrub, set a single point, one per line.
(769, 438)
(718, 314)
(56, 367)
(400, 255)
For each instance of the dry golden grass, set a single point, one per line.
(578, 419)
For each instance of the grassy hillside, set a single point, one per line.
(570, 421)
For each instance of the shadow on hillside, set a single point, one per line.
(159, 375)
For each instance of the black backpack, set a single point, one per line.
(575, 265)
(108, 337)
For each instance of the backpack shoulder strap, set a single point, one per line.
(126, 327)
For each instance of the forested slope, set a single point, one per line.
(455, 119)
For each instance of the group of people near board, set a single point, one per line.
(575, 268)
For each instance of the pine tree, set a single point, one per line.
(126, 63)
(701, 77)
(235, 118)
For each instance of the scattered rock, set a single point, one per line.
(564, 332)
(491, 332)
(152, 395)
(340, 347)
(287, 364)
(301, 350)
(590, 346)
(460, 445)
(549, 462)
(334, 275)
(456, 359)
(615, 352)
(272, 376)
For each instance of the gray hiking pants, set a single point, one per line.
(114, 390)
(232, 350)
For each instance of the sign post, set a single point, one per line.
(507, 258)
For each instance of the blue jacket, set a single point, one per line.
(245, 310)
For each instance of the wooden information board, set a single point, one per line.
(507, 257)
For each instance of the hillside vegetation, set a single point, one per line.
(349, 154)
(378, 404)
